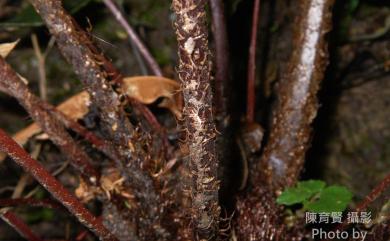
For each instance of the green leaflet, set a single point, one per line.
(316, 197)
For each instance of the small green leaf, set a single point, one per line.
(352, 5)
(312, 186)
(44, 214)
(301, 193)
(293, 195)
(331, 199)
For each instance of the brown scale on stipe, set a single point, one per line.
(194, 73)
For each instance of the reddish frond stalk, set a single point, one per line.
(134, 37)
(20, 226)
(374, 194)
(297, 104)
(370, 198)
(194, 74)
(59, 192)
(251, 85)
(11, 84)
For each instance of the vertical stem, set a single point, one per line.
(251, 97)
(222, 77)
(297, 103)
(134, 37)
(20, 226)
(194, 74)
(51, 184)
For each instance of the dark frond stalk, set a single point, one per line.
(223, 105)
(95, 72)
(59, 192)
(251, 97)
(297, 103)
(134, 37)
(258, 215)
(20, 226)
(194, 74)
(11, 84)
(74, 44)
(222, 64)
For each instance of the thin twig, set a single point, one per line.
(370, 198)
(19, 188)
(21, 157)
(20, 226)
(12, 202)
(134, 37)
(194, 74)
(251, 88)
(374, 194)
(41, 67)
(10, 83)
(138, 57)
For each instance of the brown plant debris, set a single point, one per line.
(6, 48)
(144, 89)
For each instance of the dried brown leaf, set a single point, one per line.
(147, 89)
(75, 108)
(111, 182)
(6, 48)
